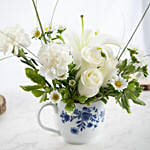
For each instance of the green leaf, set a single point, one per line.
(28, 62)
(65, 93)
(70, 107)
(34, 76)
(34, 61)
(144, 70)
(132, 51)
(138, 101)
(56, 82)
(134, 88)
(104, 100)
(125, 103)
(71, 66)
(65, 100)
(30, 88)
(123, 65)
(134, 59)
(37, 93)
(21, 53)
(81, 99)
(48, 89)
(44, 98)
(73, 70)
(133, 92)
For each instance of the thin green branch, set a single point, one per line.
(53, 13)
(82, 30)
(18, 43)
(134, 31)
(38, 18)
(4, 58)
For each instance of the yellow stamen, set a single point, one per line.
(37, 33)
(72, 82)
(89, 74)
(98, 48)
(46, 29)
(55, 97)
(62, 76)
(118, 83)
(96, 33)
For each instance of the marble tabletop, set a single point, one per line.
(19, 129)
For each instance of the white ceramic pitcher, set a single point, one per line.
(81, 126)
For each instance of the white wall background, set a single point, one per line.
(114, 17)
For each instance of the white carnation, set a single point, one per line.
(13, 36)
(55, 59)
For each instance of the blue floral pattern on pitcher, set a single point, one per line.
(88, 117)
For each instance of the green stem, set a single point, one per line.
(18, 43)
(48, 83)
(37, 15)
(82, 30)
(4, 58)
(61, 38)
(134, 31)
(53, 13)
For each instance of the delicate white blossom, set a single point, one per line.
(55, 59)
(36, 33)
(90, 82)
(109, 70)
(92, 41)
(60, 28)
(13, 36)
(119, 83)
(143, 58)
(55, 97)
(72, 82)
(48, 28)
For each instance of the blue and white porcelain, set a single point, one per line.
(82, 125)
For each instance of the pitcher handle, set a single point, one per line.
(39, 118)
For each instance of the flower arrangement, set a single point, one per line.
(76, 70)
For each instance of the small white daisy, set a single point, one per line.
(96, 32)
(60, 28)
(72, 82)
(36, 33)
(48, 28)
(55, 97)
(119, 83)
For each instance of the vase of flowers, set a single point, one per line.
(77, 75)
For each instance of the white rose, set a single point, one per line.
(93, 55)
(90, 82)
(55, 59)
(108, 70)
